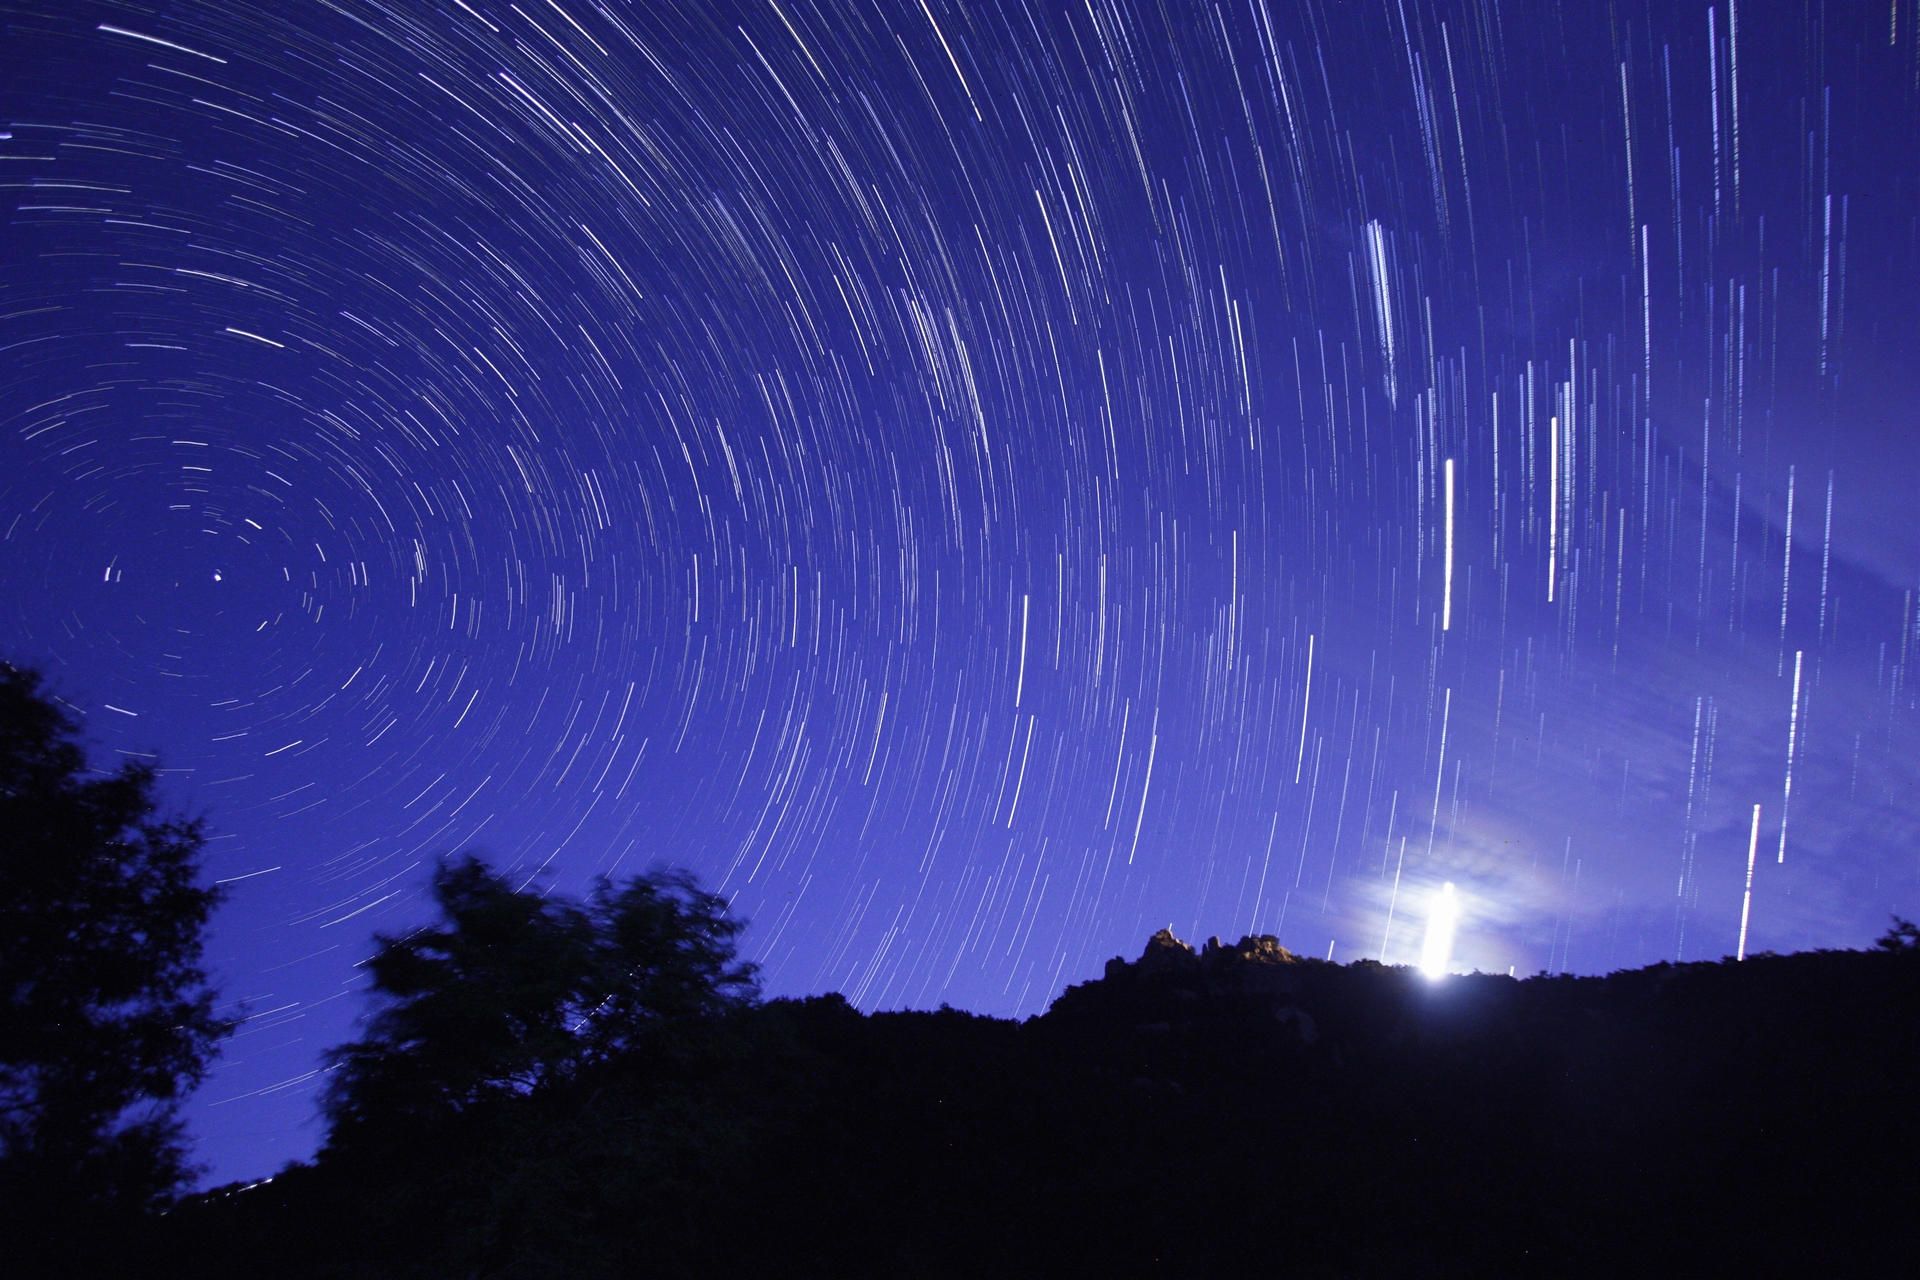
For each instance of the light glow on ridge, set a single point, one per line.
(1437, 951)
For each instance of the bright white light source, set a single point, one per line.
(1438, 949)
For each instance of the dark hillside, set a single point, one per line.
(1193, 1114)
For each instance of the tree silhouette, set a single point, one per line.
(537, 1067)
(516, 993)
(106, 1020)
(1904, 936)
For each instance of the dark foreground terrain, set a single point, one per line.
(1236, 1111)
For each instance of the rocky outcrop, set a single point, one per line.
(1172, 983)
(1253, 966)
(1166, 957)
(1265, 949)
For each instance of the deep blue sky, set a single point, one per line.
(970, 480)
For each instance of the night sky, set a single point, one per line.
(977, 483)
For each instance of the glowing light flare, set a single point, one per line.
(1437, 952)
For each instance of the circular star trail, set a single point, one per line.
(976, 483)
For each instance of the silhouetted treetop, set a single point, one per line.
(1903, 936)
(515, 992)
(106, 1019)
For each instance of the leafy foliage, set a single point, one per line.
(106, 1019)
(1903, 936)
(539, 1069)
(515, 993)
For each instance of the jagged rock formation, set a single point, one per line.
(1171, 986)
(1168, 957)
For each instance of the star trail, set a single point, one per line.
(977, 483)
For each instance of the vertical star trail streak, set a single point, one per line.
(976, 483)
